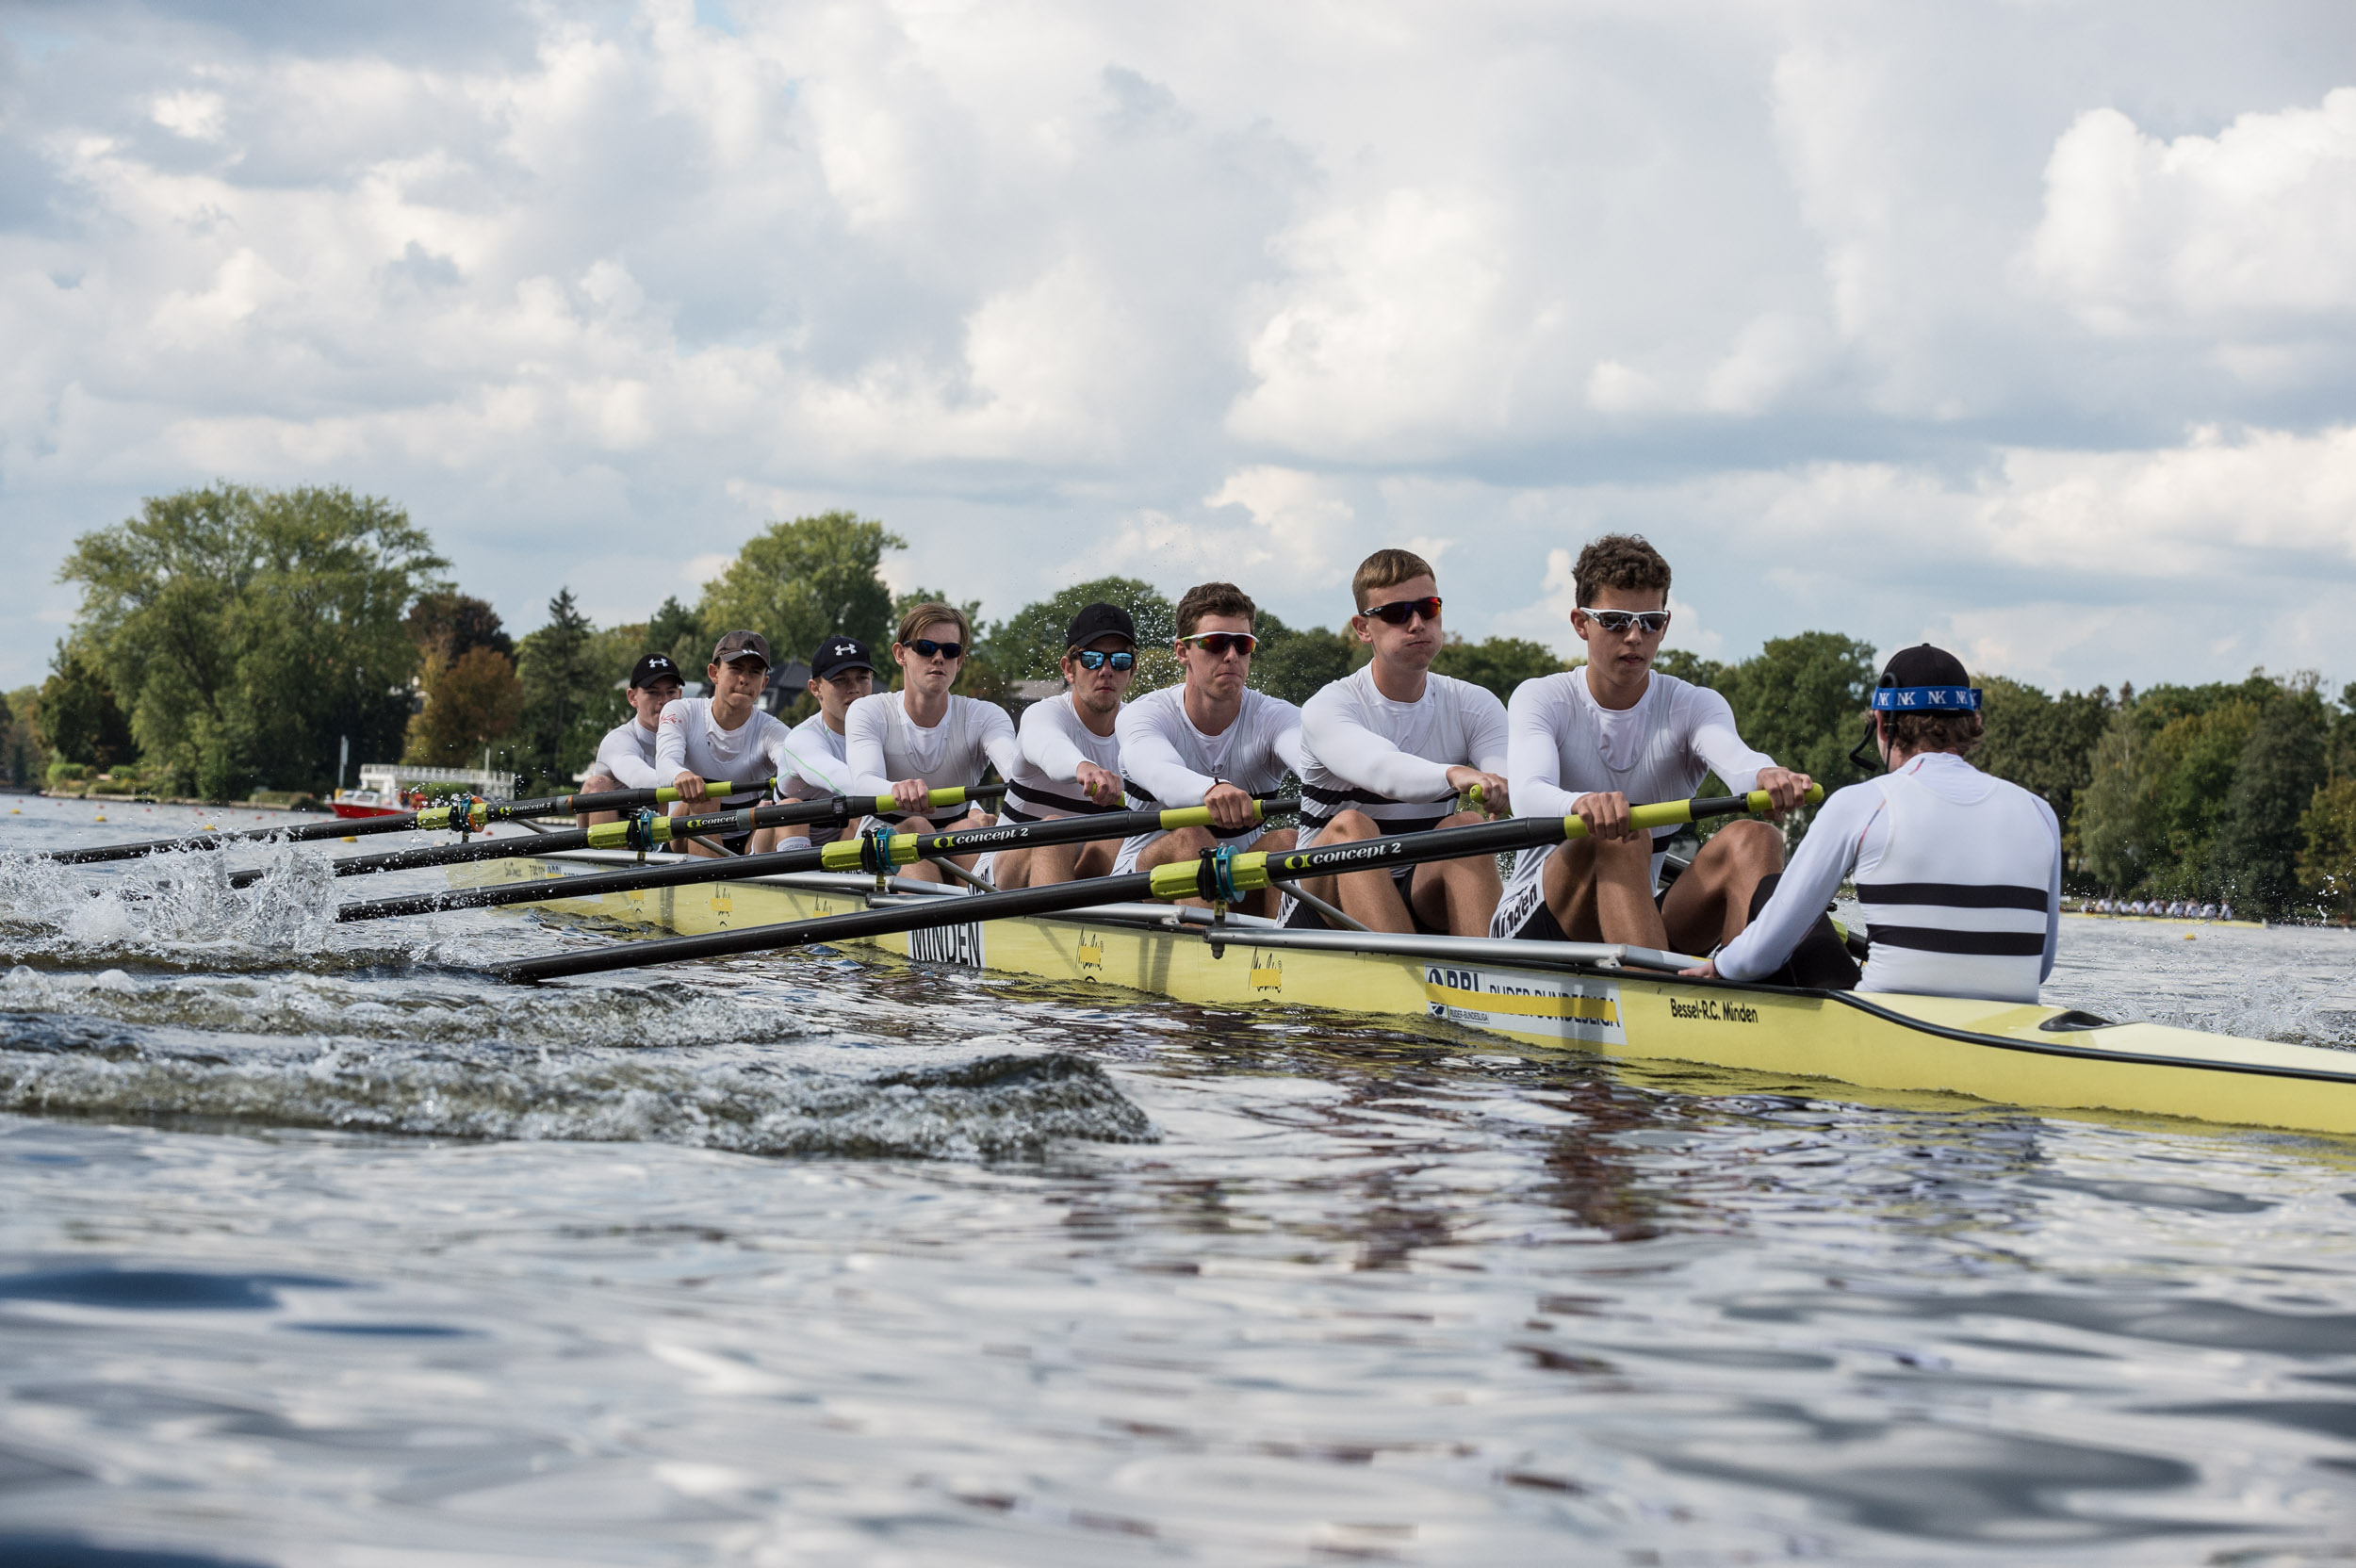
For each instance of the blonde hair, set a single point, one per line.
(921, 616)
(1387, 569)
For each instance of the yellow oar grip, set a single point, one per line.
(439, 816)
(844, 854)
(1195, 816)
(1179, 879)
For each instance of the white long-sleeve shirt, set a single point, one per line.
(1170, 763)
(883, 745)
(1958, 874)
(627, 755)
(1362, 751)
(816, 765)
(688, 739)
(1560, 743)
(1055, 742)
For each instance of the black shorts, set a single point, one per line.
(1540, 925)
(1302, 918)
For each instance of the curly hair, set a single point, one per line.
(1624, 560)
(1212, 598)
(1955, 732)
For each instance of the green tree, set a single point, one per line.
(80, 718)
(1294, 664)
(1802, 700)
(1687, 665)
(1028, 645)
(22, 754)
(675, 630)
(2326, 859)
(246, 631)
(2117, 818)
(569, 697)
(2044, 744)
(1499, 663)
(796, 582)
(471, 702)
(448, 622)
(2281, 765)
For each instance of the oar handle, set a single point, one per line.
(1223, 878)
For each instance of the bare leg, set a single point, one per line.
(596, 784)
(1458, 896)
(1603, 892)
(1043, 865)
(924, 871)
(1369, 897)
(1711, 904)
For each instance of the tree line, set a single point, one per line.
(231, 639)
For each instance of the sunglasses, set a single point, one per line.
(1652, 622)
(1096, 659)
(925, 649)
(1405, 610)
(1219, 644)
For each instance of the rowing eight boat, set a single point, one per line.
(1586, 997)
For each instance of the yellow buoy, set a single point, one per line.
(101, 817)
(2192, 936)
(351, 838)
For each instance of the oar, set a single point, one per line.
(475, 814)
(639, 833)
(871, 855)
(1219, 876)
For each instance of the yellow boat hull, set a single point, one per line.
(2034, 1055)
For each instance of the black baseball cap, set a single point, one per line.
(652, 669)
(1924, 678)
(837, 654)
(1100, 620)
(742, 644)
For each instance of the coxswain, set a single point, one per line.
(1958, 874)
(1390, 749)
(817, 765)
(624, 759)
(1584, 742)
(1071, 764)
(724, 736)
(1210, 740)
(908, 742)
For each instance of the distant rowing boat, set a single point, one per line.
(1557, 996)
(2167, 920)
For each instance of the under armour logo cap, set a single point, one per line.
(838, 654)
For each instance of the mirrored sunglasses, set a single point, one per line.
(1219, 644)
(925, 649)
(1652, 622)
(1403, 611)
(1096, 659)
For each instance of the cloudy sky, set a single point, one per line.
(2029, 327)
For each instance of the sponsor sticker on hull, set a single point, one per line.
(948, 944)
(1565, 1007)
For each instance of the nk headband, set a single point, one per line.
(1926, 699)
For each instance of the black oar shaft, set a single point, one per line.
(905, 848)
(1182, 880)
(948, 909)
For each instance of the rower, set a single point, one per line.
(1209, 741)
(921, 738)
(1958, 874)
(724, 736)
(817, 762)
(1581, 743)
(1389, 749)
(1071, 764)
(624, 757)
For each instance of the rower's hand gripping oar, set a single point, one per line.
(1220, 876)
(873, 855)
(471, 817)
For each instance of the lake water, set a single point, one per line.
(317, 1248)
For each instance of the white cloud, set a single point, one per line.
(1881, 319)
(2252, 227)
